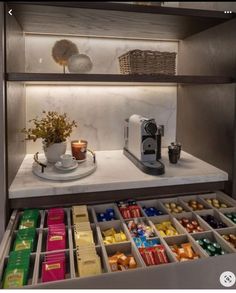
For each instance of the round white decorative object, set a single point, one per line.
(79, 63)
(54, 151)
(52, 173)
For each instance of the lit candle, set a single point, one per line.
(79, 149)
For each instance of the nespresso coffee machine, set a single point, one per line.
(143, 144)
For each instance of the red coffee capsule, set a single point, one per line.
(195, 231)
(200, 229)
(194, 223)
(185, 221)
(190, 226)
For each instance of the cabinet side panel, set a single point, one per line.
(205, 123)
(15, 122)
(15, 47)
(206, 113)
(3, 193)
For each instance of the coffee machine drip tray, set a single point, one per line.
(151, 168)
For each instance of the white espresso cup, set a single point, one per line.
(67, 160)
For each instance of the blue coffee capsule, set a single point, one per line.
(100, 216)
(149, 214)
(110, 212)
(101, 219)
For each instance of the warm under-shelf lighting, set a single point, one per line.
(99, 84)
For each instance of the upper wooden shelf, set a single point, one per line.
(115, 78)
(120, 20)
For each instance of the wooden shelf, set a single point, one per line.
(115, 78)
(122, 20)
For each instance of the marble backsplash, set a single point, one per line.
(103, 52)
(101, 110)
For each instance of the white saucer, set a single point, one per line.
(59, 166)
(81, 161)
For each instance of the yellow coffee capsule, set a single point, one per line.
(223, 205)
(169, 232)
(117, 237)
(162, 233)
(123, 236)
(110, 239)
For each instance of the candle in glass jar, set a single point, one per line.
(79, 149)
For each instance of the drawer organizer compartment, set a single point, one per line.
(44, 240)
(14, 243)
(167, 226)
(217, 200)
(184, 248)
(140, 227)
(103, 260)
(127, 260)
(214, 219)
(230, 214)
(51, 267)
(32, 269)
(141, 245)
(106, 213)
(129, 209)
(39, 221)
(113, 233)
(192, 223)
(193, 202)
(152, 208)
(173, 206)
(66, 217)
(90, 215)
(206, 241)
(94, 232)
(228, 235)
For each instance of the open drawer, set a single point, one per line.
(200, 273)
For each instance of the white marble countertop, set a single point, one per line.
(115, 172)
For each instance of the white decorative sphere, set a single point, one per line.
(79, 63)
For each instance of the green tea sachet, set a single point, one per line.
(16, 272)
(25, 239)
(29, 219)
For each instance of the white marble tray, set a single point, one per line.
(52, 173)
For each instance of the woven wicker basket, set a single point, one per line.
(147, 62)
